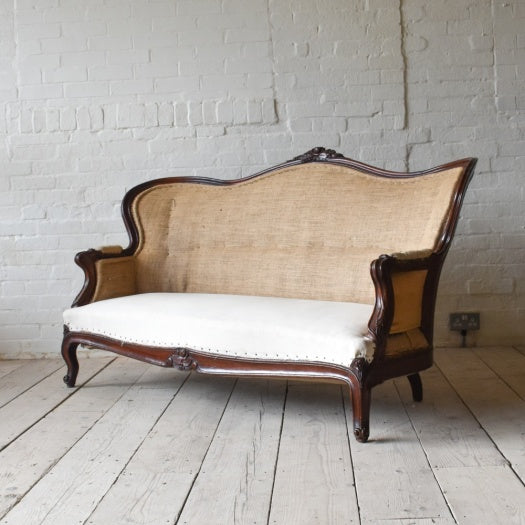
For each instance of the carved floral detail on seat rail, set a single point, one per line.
(181, 359)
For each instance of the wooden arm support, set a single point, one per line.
(406, 287)
(109, 272)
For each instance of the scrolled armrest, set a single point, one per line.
(412, 256)
(110, 250)
(109, 272)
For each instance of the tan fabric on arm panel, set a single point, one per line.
(115, 278)
(308, 231)
(408, 298)
(399, 344)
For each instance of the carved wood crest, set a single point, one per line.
(318, 154)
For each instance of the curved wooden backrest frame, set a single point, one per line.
(318, 154)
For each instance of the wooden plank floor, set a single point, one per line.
(137, 444)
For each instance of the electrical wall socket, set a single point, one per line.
(464, 321)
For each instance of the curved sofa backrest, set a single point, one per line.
(306, 230)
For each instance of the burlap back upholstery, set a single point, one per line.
(308, 231)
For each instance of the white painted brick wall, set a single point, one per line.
(98, 96)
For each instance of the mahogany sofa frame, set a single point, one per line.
(361, 376)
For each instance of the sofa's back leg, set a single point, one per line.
(361, 411)
(417, 386)
(69, 353)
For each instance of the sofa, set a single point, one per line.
(321, 268)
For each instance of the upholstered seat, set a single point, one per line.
(270, 328)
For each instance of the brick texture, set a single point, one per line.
(98, 96)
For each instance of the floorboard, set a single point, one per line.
(38, 449)
(483, 495)
(236, 476)
(69, 492)
(411, 521)
(449, 434)
(6, 367)
(154, 485)
(495, 405)
(137, 444)
(25, 376)
(508, 364)
(35, 403)
(314, 482)
(393, 477)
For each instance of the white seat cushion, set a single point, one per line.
(269, 328)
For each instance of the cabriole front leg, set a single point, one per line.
(361, 396)
(69, 353)
(361, 412)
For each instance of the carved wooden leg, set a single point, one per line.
(69, 353)
(417, 387)
(361, 408)
(360, 398)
